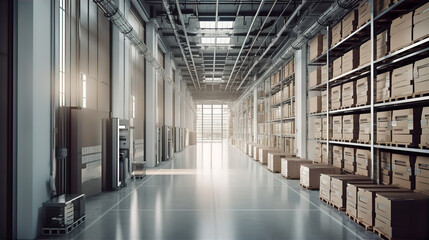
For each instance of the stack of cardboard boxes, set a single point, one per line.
(363, 162)
(315, 104)
(274, 161)
(337, 156)
(383, 87)
(325, 158)
(291, 167)
(318, 153)
(421, 76)
(405, 126)
(386, 168)
(402, 215)
(325, 186)
(314, 77)
(337, 127)
(365, 53)
(310, 174)
(350, 60)
(336, 97)
(401, 32)
(364, 11)
(352, 196)
(337, 67)
(422, 174)
(325, 123)
(316, 47)
(365, 127)
(324, 73)
(336, 33)
(424, 138)
(350, 127)
(318, 128)
(382, 44)
(384, 133)
(403, 171)
(421, 22)
(348, 94)
(349, 23)
(363, 92)
(402, 81)
(349, 159)
(324, 99)
(339, 188)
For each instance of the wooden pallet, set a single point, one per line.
(406, 45)
(63, 231)
(309, 188)
(347, 171)
(420, 94)
(362, 142)
(324, 200)
(341, 209)
(381, 235)
(423, 146)
(362, 104)
(403, 145)
(421, 38)
(365, 225)
(394, 99)
(346, 107)
(353, 218)
(289, 178)
(384, 143)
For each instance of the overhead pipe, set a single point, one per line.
(182, 21)
(112, 12)
(256, 37)
(176, 34)
(244, 41)
(336, 10)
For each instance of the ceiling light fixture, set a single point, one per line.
(220, 24)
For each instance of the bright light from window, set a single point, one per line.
(213, 80)
(220, 24)
(218, 40)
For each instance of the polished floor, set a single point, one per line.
(213, 191)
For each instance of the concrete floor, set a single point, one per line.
(213, 191)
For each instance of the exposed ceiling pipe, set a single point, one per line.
(254, 40)
(112, 12)
(175, 30)
(335, 11)
(182, 21)
(244, 41)
(273, 42)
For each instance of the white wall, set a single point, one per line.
(33, 108)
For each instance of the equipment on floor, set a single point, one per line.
(167, 146)
(63, 214)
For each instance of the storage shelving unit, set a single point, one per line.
(368, 32)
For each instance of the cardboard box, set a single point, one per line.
(421, 22)
(366, 201)
(422, 185)
(274, 161)
(337, 67)
(424, 123)
(383, 44)
(329, 128)
(339, 188)
(315, 104)
(421, 75)
(324, 99)
(325, 158)
(365, 127)
(256, 150)
(310, 174)
(363, 162)
(401, 32)
(337, 127)
(318, 128)
(349, 23)
(383, 87)
(316, 47)
(350, 127)
(402, 81)
(324, 43)
(422, 167)
(290, 168)
(336, 33)
(381, 5)
(384, 128)
(325, 185)
(349, 159)
(324, 73)
(338, 156)
(348, 92)
(364, 11)
(314, 77)
(350, 60)
(405, 126)
(365, 53)
(336, 97)
(363, 91)
(318, 153)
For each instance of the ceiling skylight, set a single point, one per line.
(220, 24)
(213, 80)
(218, 40)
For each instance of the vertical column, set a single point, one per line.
(328, 97)
(301, 102)
(373, 92)
(168, 93)
(151, 138)
(255, 115)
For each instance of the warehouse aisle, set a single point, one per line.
(213, 191)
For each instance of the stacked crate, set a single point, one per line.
(365, 127)
(339, 188)
(350, 127)
(403, 171)
(325, 158)
(383, 87)
(365, 53)
(421, 22)
(405, 126)
(348, 93)
(324, 73)
(382, 44)
(337, 127)
(363, 92)
(422, 174)
(424, 138)
(401, 32)
(310, 174)
(402, 81)
(329, 128)
(318, 153)
(336, 97)
(350, 60)
(318, 128)
(336, 33)
(349, 159)
(291, 167)
(386, 167)
(349, 23)
(337, 67)
(421, 76)
(338, 156)
(364, 12)
(315, 104)
(314, 77)
(316, 47)
(384, 132)
(363, 162)
(324, 99)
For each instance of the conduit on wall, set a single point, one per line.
(112, 12)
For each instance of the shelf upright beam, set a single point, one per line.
(255, 115)
(328, 41)
(374, 163)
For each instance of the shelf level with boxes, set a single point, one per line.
(349, 80)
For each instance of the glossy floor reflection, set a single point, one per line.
(213, 191)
